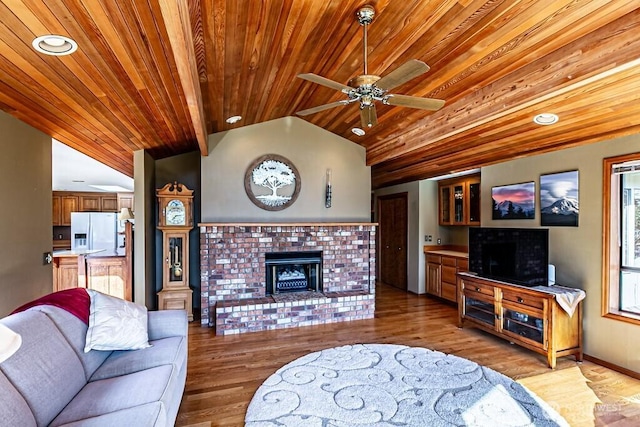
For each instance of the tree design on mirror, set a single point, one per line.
(272, 182)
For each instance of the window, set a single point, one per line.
(621, 243)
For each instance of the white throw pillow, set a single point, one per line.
(115, 324)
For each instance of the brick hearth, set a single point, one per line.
(232, 258)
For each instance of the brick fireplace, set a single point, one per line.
(234, 273)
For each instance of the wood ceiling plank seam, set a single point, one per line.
(393, 44)
(281, 87)
(140, 63)
(620, 45)
(142, 42)
(451, 78)
(517, 135)
(29, 78)
(237, 28)
(214, 26)
(49, 124)
(256, 43)
(476, 17)
(303, 31)
(118, 61)
(75, 63)
(337, 67)
(324, 65)
(542, 39)
(280, 30)
(128, 117)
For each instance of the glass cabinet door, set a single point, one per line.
(523, 324)
(479, 310)
(445, 205)
(474, 202)
(458, 203)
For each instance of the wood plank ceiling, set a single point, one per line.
(161, 74)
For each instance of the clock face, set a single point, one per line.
(175, 213)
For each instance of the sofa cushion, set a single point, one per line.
(45, 370)
(115, 324)
(14, 411)
(162, 352)
(151, 414)
(119, 393)
(75, 331)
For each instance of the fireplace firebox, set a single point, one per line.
(293, 272)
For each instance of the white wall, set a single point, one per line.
(144, 291)
(576, 251)
(311, 149)
(25, 221)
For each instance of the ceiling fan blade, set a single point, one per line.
(404, 73)
(368, 116)
(430, 104)
(325, 82)
(319, 108)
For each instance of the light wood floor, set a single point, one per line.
(225, 371)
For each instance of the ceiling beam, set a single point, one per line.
(175, 14)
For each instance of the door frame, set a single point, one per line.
(403, 195)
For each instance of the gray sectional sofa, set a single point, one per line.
(50, 381)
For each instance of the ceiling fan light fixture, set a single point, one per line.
(233, 119)
(358, 131)
(55, 45)
(546, 119)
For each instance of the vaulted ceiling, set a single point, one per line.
(162, 74)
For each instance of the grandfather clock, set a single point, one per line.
(175, 220)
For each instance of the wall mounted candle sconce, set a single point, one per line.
(327, 195)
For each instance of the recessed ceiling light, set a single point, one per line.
(358, 131)
(51, 44)
(234, 119)
(545, 119)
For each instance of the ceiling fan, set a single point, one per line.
(368, 88)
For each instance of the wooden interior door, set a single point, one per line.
(393, 228)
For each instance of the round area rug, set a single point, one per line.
(393, 385)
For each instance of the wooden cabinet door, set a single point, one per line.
(125, 200)
(392, 218)
(444, 205)
(68, 204)
(90, 203)
(433, 278)
(56, 214)
(108, 203)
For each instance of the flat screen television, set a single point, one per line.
(512, 255)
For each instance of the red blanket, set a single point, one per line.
(75, 301)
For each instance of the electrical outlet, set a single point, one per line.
(439, 241)
(47, 258)
(428, 237)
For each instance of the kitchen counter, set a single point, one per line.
(445, 252)
(75, 253)
(452, 251)
(93, 253)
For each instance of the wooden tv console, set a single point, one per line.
(525, 316)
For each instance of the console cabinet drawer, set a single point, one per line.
(521, 298)
(478, 288)
(448, 274)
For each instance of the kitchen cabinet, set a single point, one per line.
(109, 203)
(529, 317)
(62, 206)
(459, 201)
(442, 267)
(125, 200)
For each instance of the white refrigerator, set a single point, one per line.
(93, 230)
